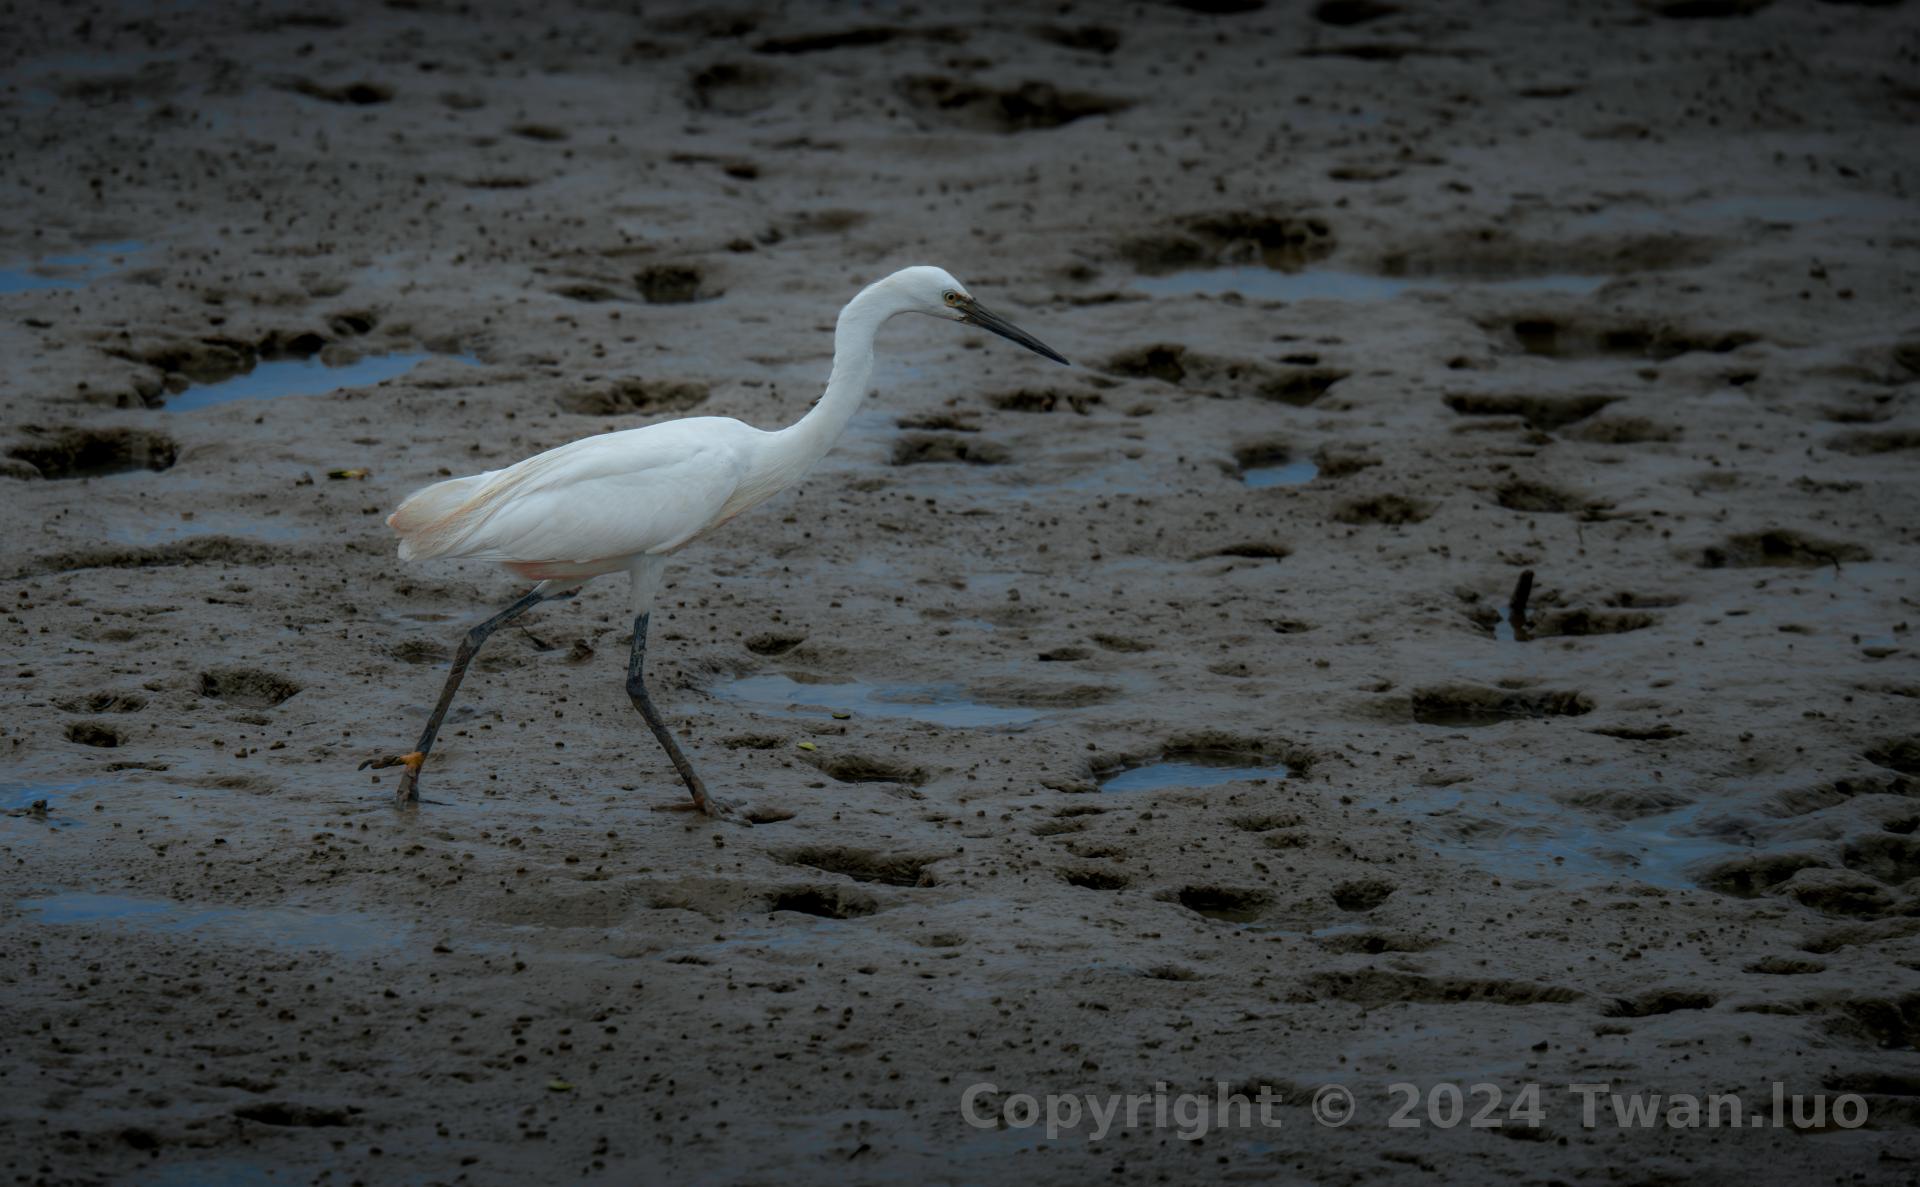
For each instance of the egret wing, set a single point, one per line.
(622, 494)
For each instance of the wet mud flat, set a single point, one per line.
(1171, 719)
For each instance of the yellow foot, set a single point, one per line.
(411, 761)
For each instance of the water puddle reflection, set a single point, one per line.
(937, 704)
(1194, 769)
(303, 377)
(71, 271)
(1289, 474)
(287, 927)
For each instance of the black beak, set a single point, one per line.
(976, 315)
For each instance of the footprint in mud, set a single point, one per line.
(864, 37)
(866, 865)
(1263, 464)
(1897, 754)
(1658, 1001)
(822, 902)
(1780, 548)
(1347, 13)
(1092, 39)
(1228, 904)
(1362, 894)
(1284, 242)
(1044, 400)
(1259, 550)
(1382, 987)
(1785, 966)
(1177, 365)
(1373, 943)
(351, 94)
(635, 396)
(247, 687)
(1625, 430)
(673, 284)
(1877, 441)
(735, 88)
(1095, 878)
(95, 733)
(1030, 106)
(1558, 338)
(1534, 497)
(774, 643)
(1545, 413)
(420, 651)
(919, 448)
(587, 293)
(1468, 705)
(91, 453)
(862, 768)
(103, 702)
(1388, 509)
(938, 422)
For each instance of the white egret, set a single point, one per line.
(625, 501)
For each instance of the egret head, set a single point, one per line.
(935, 292)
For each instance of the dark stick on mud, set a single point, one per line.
(1517, 606)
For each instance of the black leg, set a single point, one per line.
(408, 791)
(637, 692)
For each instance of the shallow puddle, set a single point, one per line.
(1327, 284)
(37, 803)
(1193, 770)
(937, 704)
(1517, 834)
(1290, 474)
(287, 927)
(71, 271)
(302, 377)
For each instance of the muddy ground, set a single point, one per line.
(1625, 299)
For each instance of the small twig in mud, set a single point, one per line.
(1517, 606)
(539, 644)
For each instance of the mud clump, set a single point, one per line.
(1523, 494)
(248, 687)
(94, 733)
(822, 902)
(1030, 106)
(1283, 242)
(733, 88)
(861, 768)
(91, 453)
(773, 643)
(1044, 400)
(862, 865)
(1228, 904)
(919, 448)
(1096, 878)
(1363, 894)
(1780, 548)
(671, 284)
(635, 396)
(1391, 510)
(1625, 430)
(1545, 413)
(1474, 705)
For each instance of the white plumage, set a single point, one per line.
(625, 500)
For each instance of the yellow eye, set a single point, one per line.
(952, 297)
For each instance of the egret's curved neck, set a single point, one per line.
(807, 440)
